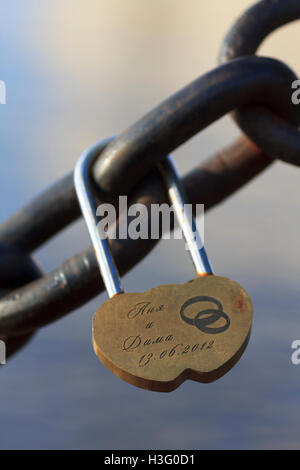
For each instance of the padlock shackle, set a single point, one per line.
(108, 269)
(178, 200)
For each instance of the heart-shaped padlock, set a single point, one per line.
(159, 338)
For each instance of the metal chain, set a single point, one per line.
(256, 89)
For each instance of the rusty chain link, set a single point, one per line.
(258, 92)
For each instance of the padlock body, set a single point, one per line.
(159, 338)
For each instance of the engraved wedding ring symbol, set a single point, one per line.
(206, 317)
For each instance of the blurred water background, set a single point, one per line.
(76, 72)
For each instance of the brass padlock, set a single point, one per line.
(157, 339)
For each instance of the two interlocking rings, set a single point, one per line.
(206, 317)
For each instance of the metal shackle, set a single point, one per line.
(108, 269)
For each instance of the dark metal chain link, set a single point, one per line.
(258, 92)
